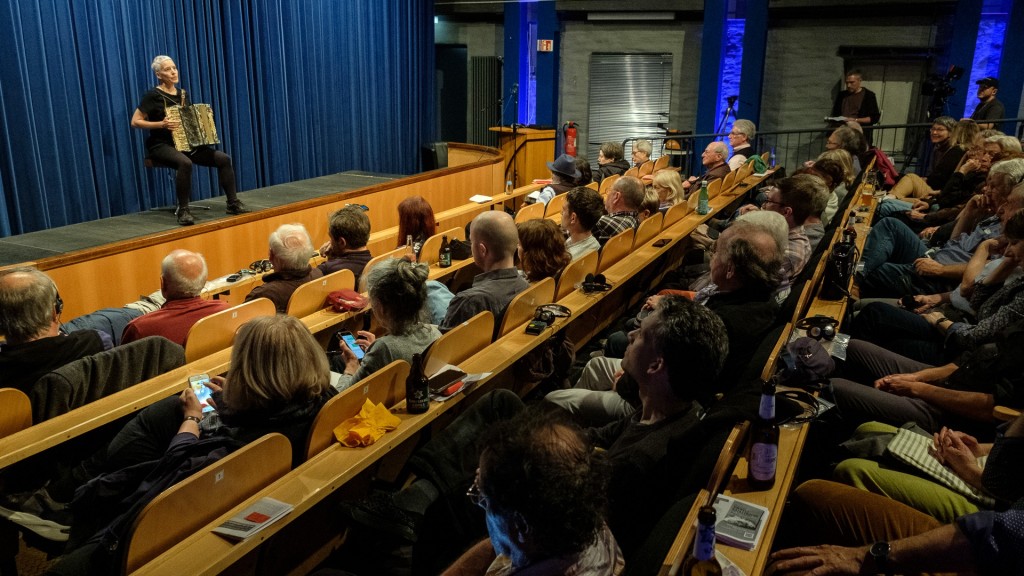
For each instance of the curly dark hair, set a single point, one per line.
(544, 254)
(541, 467)
(587, 204)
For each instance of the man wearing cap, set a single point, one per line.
(563, 178)
(988, 108)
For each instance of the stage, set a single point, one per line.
(36, 246)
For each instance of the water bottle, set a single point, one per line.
(702, 201)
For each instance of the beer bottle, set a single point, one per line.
(703, 562)
(417, 391)
(410, 250)
(444, 257)
(764, 445)
(702, 200)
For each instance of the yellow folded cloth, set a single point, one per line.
(367, 427)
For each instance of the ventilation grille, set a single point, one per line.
(630, 97)
(484, 103)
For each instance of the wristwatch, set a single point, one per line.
(879, 553)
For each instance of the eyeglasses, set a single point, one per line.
(362, 207)
(474, 494)
(769, 201)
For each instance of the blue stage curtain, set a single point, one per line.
(299, 89)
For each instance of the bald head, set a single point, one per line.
(28, 305)
(182, 275)
(494, 240)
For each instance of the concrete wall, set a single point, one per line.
(581, 38)
(480, 39)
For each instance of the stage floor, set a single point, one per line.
(56, 241)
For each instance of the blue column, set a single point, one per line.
(961, 51)
(533, 74)
(710, 66)
(755, 41)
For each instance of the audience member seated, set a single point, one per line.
(610, 161)
(794, 199)
(534, 475)
(542, 251)
(814, 227)
(586, 175)
(622, 203)
(845, 138)
(839, 168)
(582, 209)
(182, 278)
(715, 166)
(740, 138)
(744, 274)
(398, 297)
(934, 339)
(493, 240)
(676, 353)
(564, 176)
(883, 386)
(669, 187)
(867, 533)
(277, 382)
(415, 221)
(897, 262)
(30, 308)
(349, 230)
(945, 157)
(642, 150)
(290, 250)
(650, 206)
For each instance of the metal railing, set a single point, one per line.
(906, 144)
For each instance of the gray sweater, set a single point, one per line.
(387, 349)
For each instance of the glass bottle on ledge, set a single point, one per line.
(444, 256)
(764, 442)
(410, 251)
(702, 561)
(702, 201)
(417, 390)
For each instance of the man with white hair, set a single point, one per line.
(713, 159)
(740, 137)
(182, 277)
(290, 250)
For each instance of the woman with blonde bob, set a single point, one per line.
(669, 187)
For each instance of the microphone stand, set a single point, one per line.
(729, 111)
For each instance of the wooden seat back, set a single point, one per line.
(522, 308)
(216, 332)
(660, 164)
(555, 205)
(574, 273)
(766, 155)
(432, 247)
(193, 503)
(312, 296)
(594, 186)
(729, 180)
(459, 343)
(396, 253)
(530, 212)
(385, 386)
(647, 230)
(15, 411)
(607, 184)
(675, 214)
(634, 172)
(615, 249)
(645, 169)
(714, 188)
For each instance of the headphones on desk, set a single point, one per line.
(595, 283)
(819, 327)
(548, 312)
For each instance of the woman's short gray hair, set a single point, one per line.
(745, 127)
(291, 246)
(158, 62)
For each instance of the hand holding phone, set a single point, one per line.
(344, 338)
(199, 384)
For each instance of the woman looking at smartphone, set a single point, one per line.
(398, 294)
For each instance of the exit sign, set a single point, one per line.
(544, 45)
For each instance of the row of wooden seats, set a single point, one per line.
(516, 316)
(791, 441)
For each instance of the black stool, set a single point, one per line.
(149, 162)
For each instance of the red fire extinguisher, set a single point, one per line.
(569, 131)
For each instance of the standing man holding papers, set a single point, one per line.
(857, 104)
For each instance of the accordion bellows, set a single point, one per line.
(196, 127)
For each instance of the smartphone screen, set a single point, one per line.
(350, 341)
(203, 392)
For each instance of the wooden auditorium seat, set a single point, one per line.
(729, 180)
(648, 229)
(459, 343)
(396, 253)
(432, 246)
(645, 169)
(522, 308)
(574, 273)
(615, 249)
(660, 164)
(15, 411)
(216, 331)
(675, 214)
(554, 207)
(714, 188)
(530, 212)
(312, 296)
(607, 184)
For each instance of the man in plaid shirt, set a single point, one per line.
(622, 203)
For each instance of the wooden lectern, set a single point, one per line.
(532, 149)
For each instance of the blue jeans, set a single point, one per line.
(890, 207)
(900, 331)
(889, 255)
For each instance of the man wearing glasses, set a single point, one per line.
(740, 137)
(713, 159)
(793, 198)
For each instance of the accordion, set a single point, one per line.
(196, 127)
